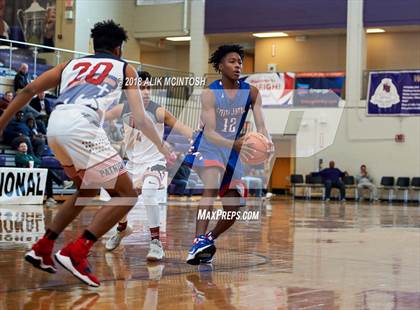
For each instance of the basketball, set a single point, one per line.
(261, 146)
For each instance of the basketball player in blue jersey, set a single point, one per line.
(88, 87)
(215, 151)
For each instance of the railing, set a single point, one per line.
(40, 58)
(60, 53)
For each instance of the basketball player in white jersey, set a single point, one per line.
(88, 86)
(146, 164)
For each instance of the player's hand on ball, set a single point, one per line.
(244, 148)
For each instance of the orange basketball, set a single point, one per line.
(261, 146)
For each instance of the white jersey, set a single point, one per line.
(95, 81)
(139, 149)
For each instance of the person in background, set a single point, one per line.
(43, 106)
(17, 131)
(364, 180)
(5, 100)
(23, 159)
(21, 78)
(332, 178)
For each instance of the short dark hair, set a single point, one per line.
(8, 92)
(218, 55)
(107, 35)
(144, 75)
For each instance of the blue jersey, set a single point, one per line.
(230, 119)
(231, 113)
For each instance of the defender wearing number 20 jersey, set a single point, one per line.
(89, 86)
(94, 81)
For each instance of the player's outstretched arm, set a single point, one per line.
(47, 80)
(170, 120)
(141, 119)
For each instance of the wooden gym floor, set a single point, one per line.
(299, 255)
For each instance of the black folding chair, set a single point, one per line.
(350, 182)
(296, 180)
(387, 184)
(403, 184)
(415, 186)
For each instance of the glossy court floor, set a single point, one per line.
(299, 255)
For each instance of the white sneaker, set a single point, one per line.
(156, 252)
(67, 184)
(115, 240)
(50, 202)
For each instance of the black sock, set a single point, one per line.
(89, 236)
(50, 235)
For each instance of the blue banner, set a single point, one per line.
(318, 89)
(394, 93)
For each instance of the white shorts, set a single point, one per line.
(138, 172)
(82, 146)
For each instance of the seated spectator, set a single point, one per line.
(22, 159)
(35, 127)
(5, 100)
(364, 180)
(43, 106)
(8, 97)
(21, 78)
(17, 131)
(332, 179)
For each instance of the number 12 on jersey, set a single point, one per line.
(229, 124)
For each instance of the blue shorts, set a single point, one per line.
(210, 155)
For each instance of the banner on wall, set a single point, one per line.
(30, 21)
(318, 89)
(393, 93)
(276, 89)
(22, 185)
